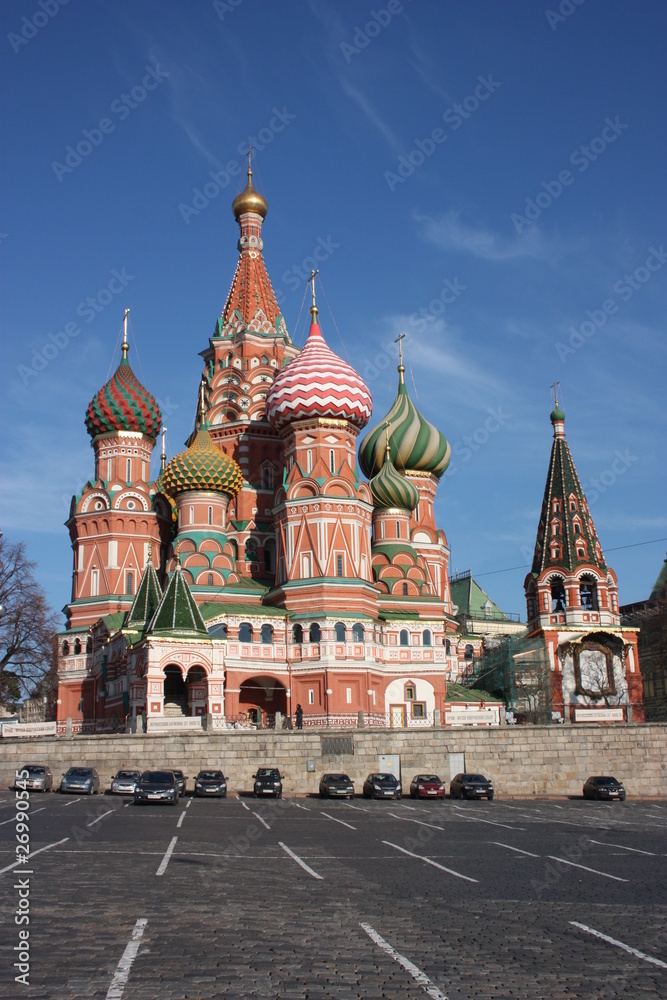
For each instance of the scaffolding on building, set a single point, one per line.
(516, 671)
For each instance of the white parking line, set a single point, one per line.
(429, 861)
(122, 973)
(408, 819)
(34, 853)
(358, 808)
(593, 870)
(301, 807)
(262, 821)
(243, 803)
(477, 819)
(126, 804)
(619, 944)
(188, 804)
(107, 813)
(180, 820)
(13, 818)
(72, 803)
(517, 849)
(165, 861)
(341, 821)
(299, 861)
(420, 977)
(635, 850)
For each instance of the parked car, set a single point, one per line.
(604, 787)
(81, 779)
(426, 786)
(382, 785)
(470, 786)
(125, 782)
(268, 781)
(36, 778)
(336, 785)
(181, 781)
(156, 786)
(211, 783)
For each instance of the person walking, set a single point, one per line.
(299, 717)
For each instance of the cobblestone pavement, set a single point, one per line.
(307, 899)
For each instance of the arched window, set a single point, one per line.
(245, 632)
(588, 593)
(89, 644)
(315, 633)
(309, 461)
(192, 515)
(235, 548)
(129, 470)
(358, 633)
(77, 646)
(557, 594)
(266, 634)
(65, 648)
(251, 550)
(404, 637)
(297, 634)
(210, 515)
(210, 579)
(448, 647)
(427, 637)
(468, 652)
(129, 583)
(410, 692)
(332, 462)
(405, 589)
(269, 555)
(339, 632)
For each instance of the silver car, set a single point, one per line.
(34, 778)
(81, 779)
(125, 782)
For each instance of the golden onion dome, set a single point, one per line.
(249, 200)
(202, 467)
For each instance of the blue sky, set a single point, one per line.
(487, 178)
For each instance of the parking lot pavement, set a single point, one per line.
(241, 898)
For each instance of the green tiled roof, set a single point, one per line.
(177, 613)
(456, 692)
(661, 583)
(471, 600)
(146, 601)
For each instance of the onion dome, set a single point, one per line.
(123, 404)
(249, 200)
(415, 445)
(390, 489)
(202, 466)
(317, 383)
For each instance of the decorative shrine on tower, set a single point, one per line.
(259, 571)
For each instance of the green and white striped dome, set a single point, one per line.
(390, 489)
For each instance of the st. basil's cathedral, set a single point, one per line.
(260, 571)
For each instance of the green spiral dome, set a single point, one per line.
(390, 489)
(415, 445)
(202, 467)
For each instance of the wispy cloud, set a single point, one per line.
(449, 232)
(374, 118)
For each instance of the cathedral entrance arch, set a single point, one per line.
(265, 695)
(197, 688)
(175, 692)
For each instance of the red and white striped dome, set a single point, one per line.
(317, 383)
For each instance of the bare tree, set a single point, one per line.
(27, 625)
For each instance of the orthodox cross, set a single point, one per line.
(313, 275)
(401, 337)
(556, 389)
(125, 347)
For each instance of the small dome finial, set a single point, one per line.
(125, 347)
(401, 367)
(249, 200)
(313, 309)
(557, 415)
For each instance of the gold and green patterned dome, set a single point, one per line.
(415, 445)
(202, 467)
(390, 489)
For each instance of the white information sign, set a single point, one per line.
(598, 715)
(29, 728)
(472, 715)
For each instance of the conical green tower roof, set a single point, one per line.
(146, 600)
(415, 445)
(177, 613)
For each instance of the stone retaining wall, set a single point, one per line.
(523, 760)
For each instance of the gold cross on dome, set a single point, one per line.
(313, 275)
(399, 340)
(556, 389)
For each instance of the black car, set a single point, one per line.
(156, 786)
(382, 785)
(180, 781)
(211, 783)
(268, 781)
(34, 778)
(470, 786)
(604, 787)
(336, 786)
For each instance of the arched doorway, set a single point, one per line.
(262, 696)
(175, 692)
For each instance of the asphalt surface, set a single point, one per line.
(301, 898)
